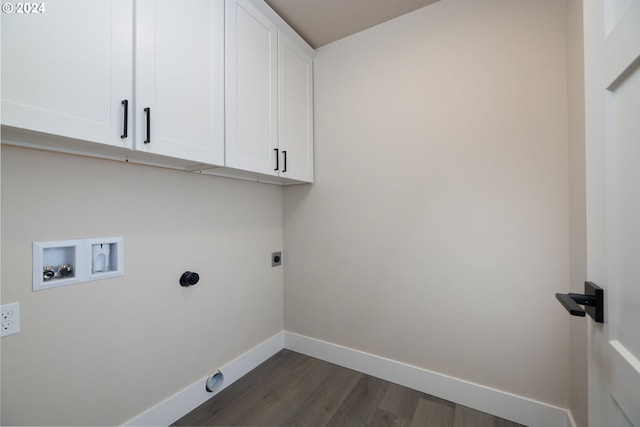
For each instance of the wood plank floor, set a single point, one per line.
(291, 389)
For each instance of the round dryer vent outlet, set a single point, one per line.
(214, 381)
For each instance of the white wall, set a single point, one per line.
(437, 230)
(103, 352)
(436, 233)
(577, 186)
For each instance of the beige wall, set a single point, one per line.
(104, 351)
(436, 233)
(575, 92)
(437, 230)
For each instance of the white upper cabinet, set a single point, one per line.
(251, 89)
(295, 110)
(269, 86)
(179, 103)
(70, 71)
(66, 71)
(223, 87)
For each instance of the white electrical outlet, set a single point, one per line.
(10, 319)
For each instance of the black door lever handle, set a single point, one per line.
(592, 299)
(569, 303)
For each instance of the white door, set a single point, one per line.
(67, 69)
(251, 89)
(612, 79)
(295, 110)
(180, 79)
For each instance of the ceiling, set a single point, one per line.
(323, 21)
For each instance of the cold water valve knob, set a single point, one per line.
(189, 278)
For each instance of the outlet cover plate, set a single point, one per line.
(276, 259)
(10, 319)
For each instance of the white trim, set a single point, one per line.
(192, 396)
(502, 404)
(266, 10)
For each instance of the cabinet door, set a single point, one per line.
(180, 79)
(66, 71)
(295, 110)
(251, 91)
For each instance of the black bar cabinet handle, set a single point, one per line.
(284, 153)
(126, 118)
(277, 159)
(148, 111)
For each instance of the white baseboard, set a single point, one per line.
(192, 396)
(505, 405)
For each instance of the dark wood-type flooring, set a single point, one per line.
(291, 389)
